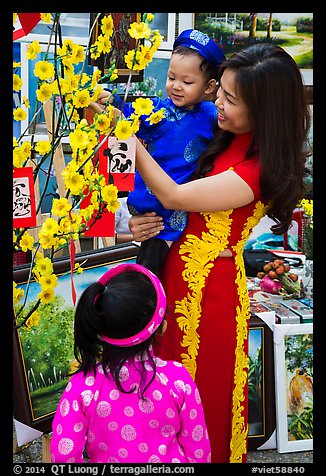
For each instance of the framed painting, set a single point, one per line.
(261, 387)
(291, 31)
(43, 353)
(293, 353)
(121, 44)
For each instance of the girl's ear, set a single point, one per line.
(163, 327)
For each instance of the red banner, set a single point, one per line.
(25, 23)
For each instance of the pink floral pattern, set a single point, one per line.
(168, 426)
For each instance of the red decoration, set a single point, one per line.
(25, 24)
(24, 206)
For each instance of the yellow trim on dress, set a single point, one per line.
(239, 432)
(199, 255)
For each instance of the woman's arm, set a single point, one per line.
(220, 192)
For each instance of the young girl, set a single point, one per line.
(124, 404)
(254, 166)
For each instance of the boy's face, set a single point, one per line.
(185, 83)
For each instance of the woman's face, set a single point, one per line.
(233, 115)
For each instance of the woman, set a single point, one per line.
(254, 166)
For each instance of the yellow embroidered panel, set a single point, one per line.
(238, 443)
(199, 254)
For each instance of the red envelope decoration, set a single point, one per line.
(121, 156)
(24, 206)
(103, 226)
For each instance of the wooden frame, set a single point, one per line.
(121, 44)
(43, 355)
(293, 353)
(261, 387)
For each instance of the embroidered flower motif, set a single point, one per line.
(162, 449)
(78, 427)
(146, 406)
(193, 149)
(154, 459)
(157, 395)
(123, 453)
(103, 409)
(167, 430)
(89, 381)
(87, 397)
(113, 426)
(128, 411)
(178, 220)
(64, 407)
(128, 432)
(197, 433)
(143, 447)
(65, 446)
(114, 394)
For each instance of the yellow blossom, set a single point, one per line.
(49, 281)
(17, 82)
(109, 192)
(156, 117)
(26, 242)
(43, 147)
(33, 50)
(82, 98)
(144, 57)
(130, 59)
(26, 102)
(75, 183)
(102, 123)
(50, 226)
(139, 30)
(44, 70)
(46, 296)
(78, 139)
(107, 25)
(47, 240)
(44, 266)
(150, 17)
(78, 269)
(46, 17)
(123, 129)
(32, 321)
(45, 92)
(18, 293)
(143, 106)
(19, 114)
(104, 44)
(60, 207)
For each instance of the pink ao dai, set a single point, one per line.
(167, 427)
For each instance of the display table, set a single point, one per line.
(280, 372)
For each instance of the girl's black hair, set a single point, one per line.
(119, 310)
(210, 71)
(269, 82)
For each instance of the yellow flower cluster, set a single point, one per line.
(61, 79)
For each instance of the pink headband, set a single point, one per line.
(159, 312)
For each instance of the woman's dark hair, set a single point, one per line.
(119, 310)
(269, 82)
(210, 71)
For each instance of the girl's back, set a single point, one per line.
(167, 426)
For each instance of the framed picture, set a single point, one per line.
(291, 31)
(293, 353)
(261, 387)
(121, 44)
(43, 353)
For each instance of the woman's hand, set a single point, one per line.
(145, 226)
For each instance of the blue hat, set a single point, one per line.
(203, 44)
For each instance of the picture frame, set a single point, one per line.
(261, 384)
(234, 31)
(43, 355)
(121, 44)
(293, 354)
